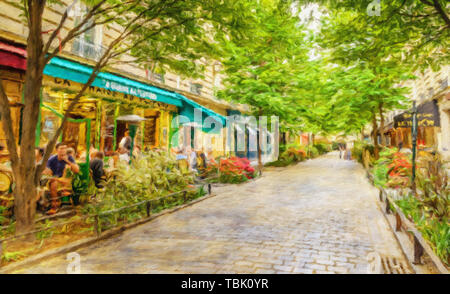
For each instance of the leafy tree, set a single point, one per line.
(183, 31)
(412, 31)
(262, 70)
(370, 61)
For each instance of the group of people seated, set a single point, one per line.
(58, 182)
(197, 160)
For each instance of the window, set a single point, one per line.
(196, 88)
(159, 78)
(88, 44)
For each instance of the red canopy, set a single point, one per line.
(13, 56)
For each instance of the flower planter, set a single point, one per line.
(419, 244)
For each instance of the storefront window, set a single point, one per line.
(150, 128)
(49, 125)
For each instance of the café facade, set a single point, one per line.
(428, 121)
(93, 122)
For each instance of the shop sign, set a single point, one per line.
(427, 116)
(111, 93)
(130, 90)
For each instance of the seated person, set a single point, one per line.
(71, 152)
(39, 154)
(56, 165)
(180, 154)
(124, 155)
(96, 166)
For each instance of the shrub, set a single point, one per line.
(359, 147)
(322, 148)
(153, 176)
(313, 152)
(392, 169)
(232, 170)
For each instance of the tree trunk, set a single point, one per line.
(362, 134)
(383, 137)
(25, 190)
(260, 137)
(25, 203)
(375, 136)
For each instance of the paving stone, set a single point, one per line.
(319, 216)
(315, 266)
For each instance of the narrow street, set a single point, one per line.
(320, 216)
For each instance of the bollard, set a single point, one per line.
(388, 207)
(96, 226)
(398, 222)
(418, 251)
(209, 188)
(184, 196)
(381, 195)
(148, 208)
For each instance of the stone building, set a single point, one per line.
(156, 97)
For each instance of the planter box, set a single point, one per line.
(420, 244)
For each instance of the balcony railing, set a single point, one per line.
(87, 50)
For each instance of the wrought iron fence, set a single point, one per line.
(96, 217)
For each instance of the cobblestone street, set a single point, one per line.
(320, 216)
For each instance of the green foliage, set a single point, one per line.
(263, 71)
(153, 176)
(436, 231)
(322, 148)
(2, 211)
(12, 256)
(432, 182)
(381, 167)
(359, 147)
(414, 33)
(47, 230)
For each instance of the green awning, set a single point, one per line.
(70, 70)
(65, 69)
(210, 121)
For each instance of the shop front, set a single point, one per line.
(199, 128)
(95, 115)
(12, 72)
(428, 127)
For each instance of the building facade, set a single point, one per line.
(431, 92)
(125, 89)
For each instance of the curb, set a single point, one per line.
(91, 240)
(407, 248)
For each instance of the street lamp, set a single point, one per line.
(414, 128)
(133, 121)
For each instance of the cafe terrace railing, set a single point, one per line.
(402, 223)
(97, 224)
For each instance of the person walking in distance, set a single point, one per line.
(341, 150)
(348, 152)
